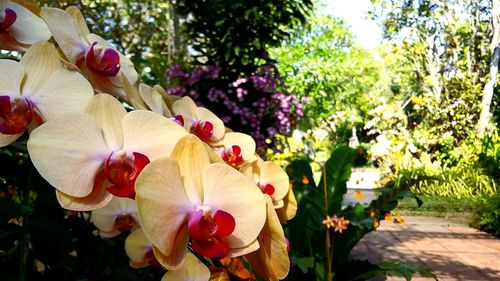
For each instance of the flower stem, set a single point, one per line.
(328, 246)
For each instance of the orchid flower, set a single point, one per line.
(118, 216)
(289, 209)
(271, 179)
(192, 270)
(186, 198)
(37, 89)
(20, 27)
(89, 156)
(271, 260)
(199, 120)
(151, 98)
(237, 148)
(100, 62)
(140, 250)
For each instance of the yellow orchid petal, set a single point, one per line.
(271, 173)
(192, 157)
(97, 199)
(68, 152)
(8, 139)
(79, 20)
(66, 33)
(162, 203)
(150, 134)
(154, 100)
(132, 94)
(228, 190)
(105, 218)
(238, 252)
(109, 113)
(175, 259)
(64, 92)
(192, 270)
(244, 141)
(289, 209)
(40, 61)
(137, 246)
(11, 76)
(28, 28)
(271, 261)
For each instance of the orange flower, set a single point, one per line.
(339, 224)
(387, 217)
(305, 180)
(376, 224)
(358, 195)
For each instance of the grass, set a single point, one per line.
(436, 206)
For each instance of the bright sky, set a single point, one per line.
(355, 13)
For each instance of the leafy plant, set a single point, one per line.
(322, 253)
(487, 214)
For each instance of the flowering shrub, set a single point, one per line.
(258, 105)
(191, 192)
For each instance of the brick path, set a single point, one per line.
(452, 250)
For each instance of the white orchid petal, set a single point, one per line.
(11, 76)
(28, 28)
(109, 113)
(79, 20)
(68, 152)
(40, 62)
(65, 91)
(66, 33)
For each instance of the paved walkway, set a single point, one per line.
(452, 250)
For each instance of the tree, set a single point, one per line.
(484, 117)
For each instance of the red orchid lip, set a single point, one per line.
(122, 173)
(15, 114)
(105, 63)
(207, 230)
(203, 129)
(9, 19)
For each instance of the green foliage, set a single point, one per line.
(486, 214)
(322, 63)
(235, 34)
(315, 245)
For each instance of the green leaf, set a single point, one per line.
(304, 263)
(338, 171)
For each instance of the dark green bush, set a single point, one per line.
(487, 214)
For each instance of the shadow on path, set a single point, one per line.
(451, 250)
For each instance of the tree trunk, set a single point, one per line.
(485, 116)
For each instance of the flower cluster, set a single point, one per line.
(257, 105)
(169, 171)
